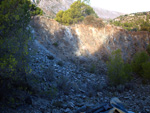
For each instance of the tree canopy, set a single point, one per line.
(78, 10)
(14, 35)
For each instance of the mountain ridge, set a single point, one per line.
(106, 14)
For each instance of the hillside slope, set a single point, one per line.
(83, 44)
(134, 21)
(59, 84)
(81, 40)
(106, 14)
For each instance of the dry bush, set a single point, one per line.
(93, 21)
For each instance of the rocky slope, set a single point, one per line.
(77, 89)
(89, 42)
(60, 82)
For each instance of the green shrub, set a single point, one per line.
(146, 70)
(78, 10)
(118, 71)
(14, 41)
(35, 10)
(138, 60)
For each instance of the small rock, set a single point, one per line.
(67, 110)
(84, 97)
(64, 106)
(148, 110)
(126, 97)
(71, 105)
(99, 94)
(44, 79)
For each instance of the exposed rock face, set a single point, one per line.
(51, 7)
(86, 41)
(103, 41)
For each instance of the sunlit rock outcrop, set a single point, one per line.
(86, 41)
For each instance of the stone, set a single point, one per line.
(126, 97)
(148, 110)
(44, 79)
(71, 105)
(82, 109)
(67, 110)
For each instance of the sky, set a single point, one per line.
(123, 6)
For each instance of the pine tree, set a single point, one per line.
(14, 36)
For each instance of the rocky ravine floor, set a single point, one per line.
(63, 87)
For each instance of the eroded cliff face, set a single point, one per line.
(102, 42)
(86, 41)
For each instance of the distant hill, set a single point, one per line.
(106, 14)
(134, 21)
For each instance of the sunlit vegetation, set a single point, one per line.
(77, 12)
(35, 10)
(133, 22)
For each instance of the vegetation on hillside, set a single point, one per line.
(141, 65)
(120, 72)
(93, 21)
(14, 38)
(77, 12)
(133, 22)
(35, 10)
